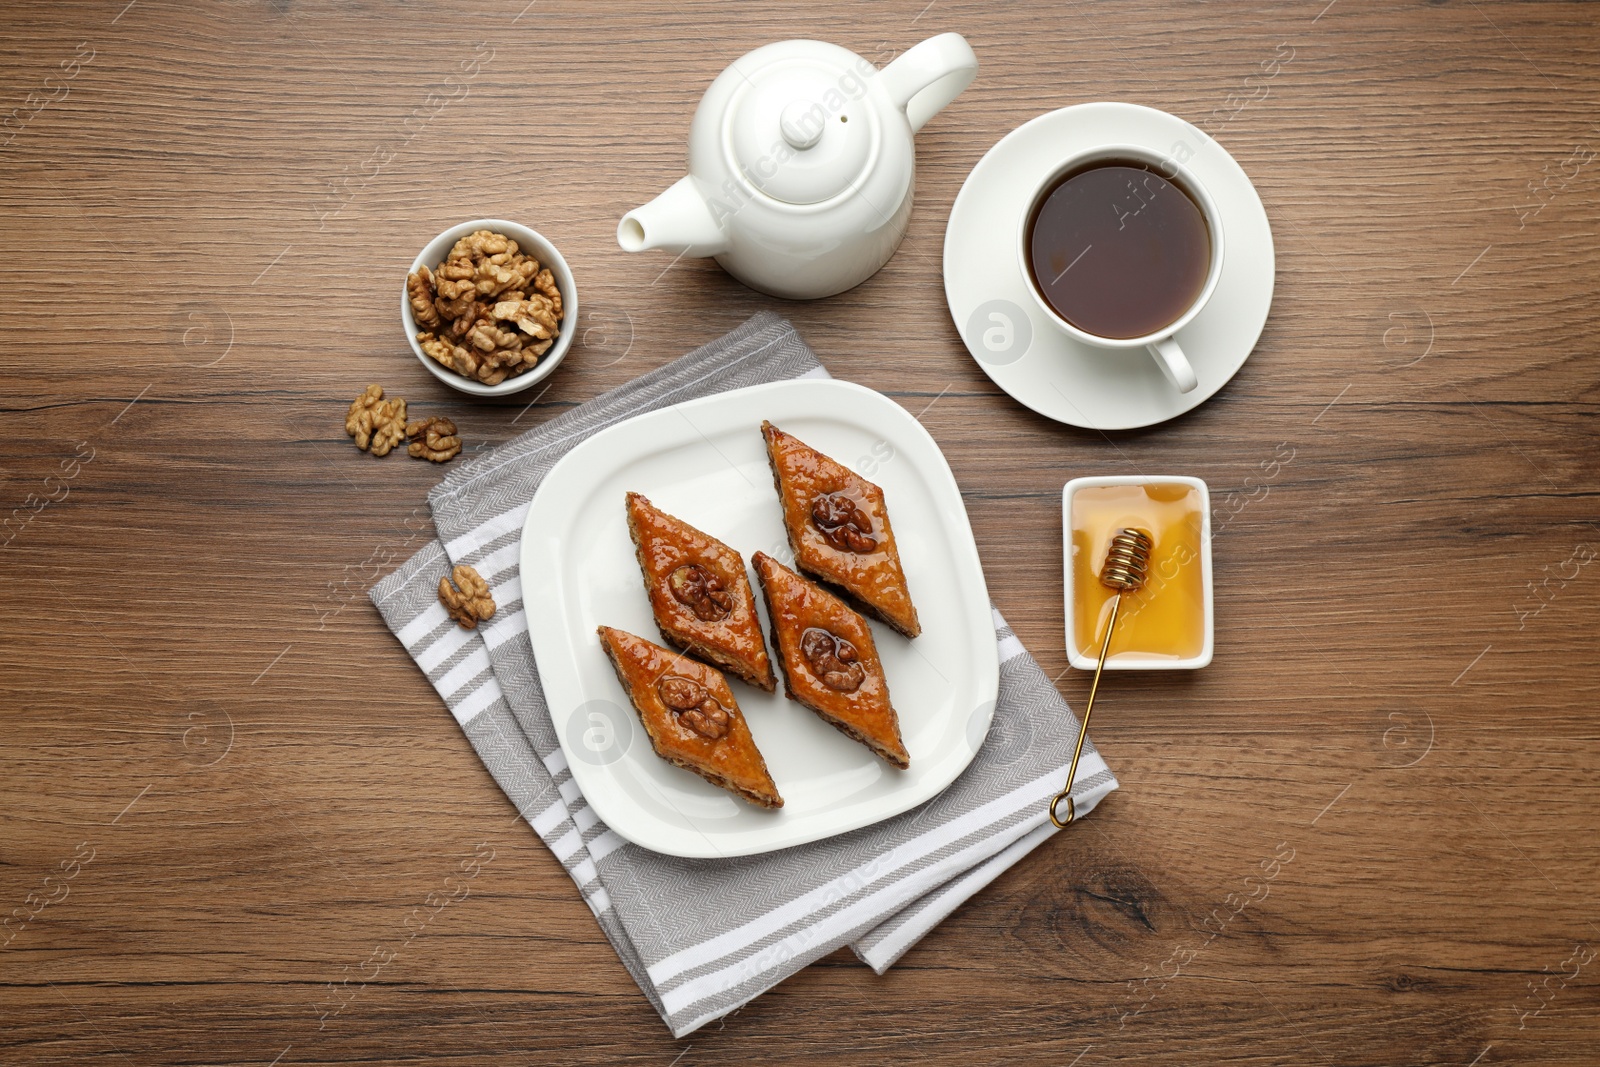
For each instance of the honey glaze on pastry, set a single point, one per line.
(699, 593)
(828, 659)
(691, 716)
(838, 527)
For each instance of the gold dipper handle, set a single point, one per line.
(1127, 560)
(1083, 727)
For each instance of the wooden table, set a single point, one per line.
(224, 783)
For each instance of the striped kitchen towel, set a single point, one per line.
(703, 937)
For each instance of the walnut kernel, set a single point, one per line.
(697, 709)
(454, 356)
(701, 592)
(419, 286)
(833, 659)
(433, 438)
(376, 424)
(488, 337)
(468, 601)
(843, 524)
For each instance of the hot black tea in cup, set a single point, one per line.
(1117, 249)
(1122, 247)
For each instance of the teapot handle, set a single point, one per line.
(930, 75)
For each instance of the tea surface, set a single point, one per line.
(1118, 250)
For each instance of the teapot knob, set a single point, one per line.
(801, 123)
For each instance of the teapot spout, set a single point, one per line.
(679, 220)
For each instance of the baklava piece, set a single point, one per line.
(691, 716)
(828, 659)
(839, 529)
(699, 593)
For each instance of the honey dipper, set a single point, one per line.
(1127, 559)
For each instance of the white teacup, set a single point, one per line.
(1161, 343)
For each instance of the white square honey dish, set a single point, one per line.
(1182, 554)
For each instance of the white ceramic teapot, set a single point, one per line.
(801, 164)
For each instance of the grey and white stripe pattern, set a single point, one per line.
(704, 937)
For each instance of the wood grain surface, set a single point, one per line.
(237, 784)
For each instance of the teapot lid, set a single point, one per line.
(800, 129)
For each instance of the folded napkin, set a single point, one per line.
(703, 937)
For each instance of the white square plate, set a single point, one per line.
(705, 461)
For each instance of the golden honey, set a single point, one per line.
(1165, 619)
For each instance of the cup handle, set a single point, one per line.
(1173, 363)
(930, 75)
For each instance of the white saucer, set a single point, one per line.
(1007, 332)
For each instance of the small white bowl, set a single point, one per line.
(529, 241)
(1123, 661)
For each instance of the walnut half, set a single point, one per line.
(696, 707)
(468, 601)
(832, 659)
(843, 524)
(699, 590)
(435, 438)
(419, 288)
(376, 424)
